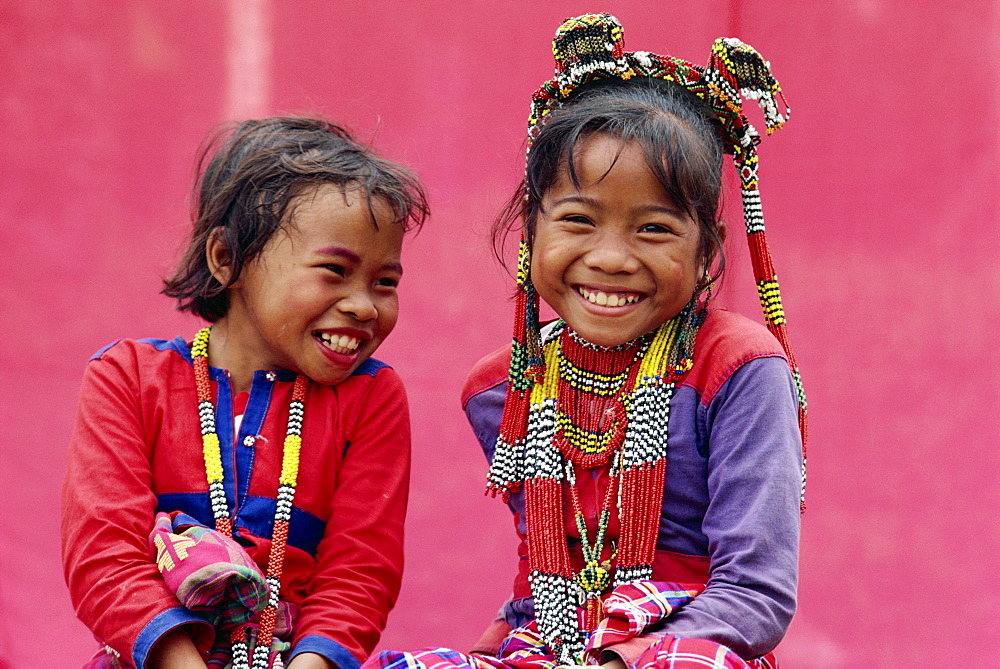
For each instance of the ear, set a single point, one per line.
(218, 257)
(720, 226)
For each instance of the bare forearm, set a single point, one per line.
(175, 650)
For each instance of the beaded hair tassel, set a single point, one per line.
(736, 72)
(220, 507)
(507, 468)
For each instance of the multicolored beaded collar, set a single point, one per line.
(220, 508)
(531, 449)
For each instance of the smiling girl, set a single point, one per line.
(648, 445)
(240, 497)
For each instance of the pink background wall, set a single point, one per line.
(880, 199)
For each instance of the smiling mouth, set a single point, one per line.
(603, 299)
(338, 343)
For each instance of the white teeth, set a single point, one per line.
(341, 343)
(608, 299)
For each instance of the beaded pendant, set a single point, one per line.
(220, 508)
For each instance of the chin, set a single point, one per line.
(332, 378)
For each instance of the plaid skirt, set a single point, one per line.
(629, 611)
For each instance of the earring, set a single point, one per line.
(706, 286)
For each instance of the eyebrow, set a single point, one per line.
(339, 251)
(347, 254)
(583, 199)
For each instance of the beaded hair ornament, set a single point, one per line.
(539, 441)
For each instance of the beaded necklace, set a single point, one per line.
(595, 575)
(220, 508)
(630, 387)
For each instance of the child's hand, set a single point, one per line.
(310, 661)
(175, 650)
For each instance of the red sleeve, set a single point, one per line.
(488, 373)
(107, 514)
(360, 558)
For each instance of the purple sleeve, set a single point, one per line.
(752, 520)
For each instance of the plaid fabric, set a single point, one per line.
(629, 610)
(674, 653)
(209, 572)
(667, 653)
(213, 576)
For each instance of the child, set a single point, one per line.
(644, 541)
(275, 427)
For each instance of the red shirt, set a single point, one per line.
(136, 450)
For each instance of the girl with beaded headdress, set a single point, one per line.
(237, 500)
(648, 445)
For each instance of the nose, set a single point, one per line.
(611, 254)
(358, 304)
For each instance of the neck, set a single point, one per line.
(225, 352)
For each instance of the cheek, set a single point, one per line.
(537, 269)
(388, 314)
(548, 263)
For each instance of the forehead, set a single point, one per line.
(606, 162)
(328, 213)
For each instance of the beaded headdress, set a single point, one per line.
(586, 49)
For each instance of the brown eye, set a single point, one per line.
(336, 269)
(656, 228)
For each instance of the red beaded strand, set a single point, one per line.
(282, 515)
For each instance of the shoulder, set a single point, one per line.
(140, 348)
(374, 372)
(141, 355)
(726, 342)
(371, 376)
(490, 372)
(372, 368)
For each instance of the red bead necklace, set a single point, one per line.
(220, 506)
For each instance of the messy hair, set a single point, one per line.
(253, 174)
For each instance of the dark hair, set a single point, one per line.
(255, 173)
(677, 133)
